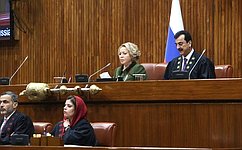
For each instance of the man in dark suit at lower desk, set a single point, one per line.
(12, 122)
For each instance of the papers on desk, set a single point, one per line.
(105, 75)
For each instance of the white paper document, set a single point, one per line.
(105, 75)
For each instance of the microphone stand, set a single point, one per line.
(189, 75)
(96, 73)
(18, 69)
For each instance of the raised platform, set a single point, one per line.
(182, 113)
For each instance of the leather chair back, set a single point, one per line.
(155, 71)
(150, 70)
(105, 133)
(160, 70)
(42, 127)
(224, 71)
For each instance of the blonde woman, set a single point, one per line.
(129, 54)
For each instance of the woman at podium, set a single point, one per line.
(129, 54)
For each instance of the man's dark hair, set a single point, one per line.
(188, 36)
(12, 94)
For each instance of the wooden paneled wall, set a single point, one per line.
(81, 36)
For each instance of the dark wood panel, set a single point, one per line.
(160, 124)
(185, 113)
(81, 36)
(158, 90)
(89, 148)
(172, 90)
(173, 125)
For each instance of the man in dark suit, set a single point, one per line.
(13, 122)
(204, 68)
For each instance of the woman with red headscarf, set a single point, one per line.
(75, 128)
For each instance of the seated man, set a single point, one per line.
(13, 122)
(204, 68)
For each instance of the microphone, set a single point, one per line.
(189, 75)
(18, 69)
(63, 78)
(97, 72)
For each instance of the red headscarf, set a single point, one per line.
(80, 113)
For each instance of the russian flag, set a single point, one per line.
(175, 25)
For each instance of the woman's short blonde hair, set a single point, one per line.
(133, 50)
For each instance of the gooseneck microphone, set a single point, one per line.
(18, 69)
(97, 72)
(189, 75)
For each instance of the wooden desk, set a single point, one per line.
(91, 148)
(46, 141)
(184, 113)
(188, 90)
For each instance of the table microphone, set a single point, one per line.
(189, 75)
(97, 72)
(18, 69)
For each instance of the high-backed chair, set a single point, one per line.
(154, 71)
(160, 70)
(224, 71)
(42, 127)
(150, 70)
(105, 133)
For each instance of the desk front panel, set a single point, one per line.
(156, 113)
